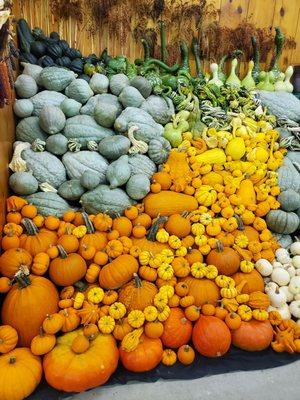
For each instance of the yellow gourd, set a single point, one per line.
(213, 156)
(236, 148)
(246, 192)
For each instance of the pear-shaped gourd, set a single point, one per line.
(279, 85)
(215, 76)
(288, 74)
(248, 82)
(233, 79)
(118, 172)
(266, 84)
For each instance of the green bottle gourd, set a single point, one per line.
(279, 42)
(233, 79)
(265, 84)
(215, 76)
(256, 59)
(196, 53)
(248, 82)
(221, 74)
(288, 74)
(279, 85)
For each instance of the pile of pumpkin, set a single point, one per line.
(173, 274)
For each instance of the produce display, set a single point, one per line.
(153, 215)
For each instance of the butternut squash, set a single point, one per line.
(213, 156)
(167, 203)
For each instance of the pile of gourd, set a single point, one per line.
(66, 147)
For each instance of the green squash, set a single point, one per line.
(79, 90)
(131, 97)
(159, 108)
(101, 99)
(99, 83)
(85, 128)
(288, 176)
(49, 203)
(280, 221)
(56, 78)
(57, 144)
(117, 83)
(70, 107)
(46, 98)
(23, 108)
(90, 179)
(118, 172)
(77, 163)
(159, 150)
(45, 167)
(23, 183)
(141, 164)
(25, 86)
(28, 129)
(289, 200)
(52, 120)
(114, 147)
(104, 199)
(138, 186)
(142, 85)
(105, 114)
(71, 190)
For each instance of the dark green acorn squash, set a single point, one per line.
(55, 36)
(38, 48)
(54, 51)
(64, 45)
(28, 58)
(85, 77)
(77, 66)
(73, 53)
(63, 62)
(46, 61)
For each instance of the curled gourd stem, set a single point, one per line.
(137, 281)
(138, 146)
(155, 227)
(46, 187)
(62, 251)
(17, 163)
(38, 145)
(88, 223)
(21, 277)
(30, 227)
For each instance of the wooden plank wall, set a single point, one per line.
(262, 13)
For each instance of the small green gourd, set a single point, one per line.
(79, 90)
(288, 74)
(23, 183)
(118, 172)
(105, 114)
(71, 190)
(233, 79)
(57, 144)
(117, 83)
(23, 108)
(52, 120)
(265, 84)
(70, 107)
(279, 85)
(131, 97)
(173, 130)
(114, 147)
(138, 186)
(99, 83)
(90, 180)
(214, 68)
(248, 82)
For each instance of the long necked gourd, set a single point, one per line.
(279, 85)
(248, 82)
(233, 79)
(265, 84)
(288, 74)
(215, 75)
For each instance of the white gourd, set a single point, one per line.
(294, 286)
(138, 146)
(215, 77)
(288, 74)
(282, 255)
(286, 291)
(17, 163)
(296, 261)
(298, 272)
(264, 267)
(277, 298)
(248, 82)
(277, 264)
(279, 85)
(284, 311)
(295, 248)
(280, 276)
(291, 270)
(271, 287)
(295, 308)
(297, 296)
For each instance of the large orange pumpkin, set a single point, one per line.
(205, 291)
(118, 272)
(225, 259)
(67, 269)
(253, 335)
(65, 370)
(211, 336)
(137, 294)
(177, 329)
(254, 281)
(144, 357)
(36, 241)
(168, 203)
(11, 261)
(147, 245)
(27, 304)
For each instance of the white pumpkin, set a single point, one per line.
(292, 271)
(284, 311)
(280, 276)
(294, 286)
(295, 308)
(289, 295)
(271, 287)
(264, 267)
(295, 248)
(296, 261)
(298, 272)
(277, 298)
(282, 255)
(297, 296)
(277, 264)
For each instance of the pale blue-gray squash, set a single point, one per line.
(85, 128)
(114, 147)
(138, 186)
(28, 130)
(99, 83)
(159, 150)
(105, 98)
(105, 114)
(159, 108)
(117, 83)
(77, 163)
(280, 221)
(147, 128)
(49, 203)
(142, 85)
(281, 104)
(104, 199)
(57, 144)
(141, 164)
(23, 108)
(288, 176)
(70, 107)
(23, 183)
(46, 98)
(45, 167)
(56, 78)
(71, 190)
(131, 97)
(289, 200)
(118, 172)
(32, 70)
(284, 240)
(79, 90)
(90, 179)
(25, 86)
(52, 120)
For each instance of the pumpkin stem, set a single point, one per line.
(81, 286)
(21, 277)
(88, 223)
(62, 251)
(220, 247)
(12, 359)
(239, 220)
(29, 226)
(155, 227)
(137, 281)
(184, 214)
(41, 332)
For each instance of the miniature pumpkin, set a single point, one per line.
(11, 261)
(186, 354)
(89, 313)
(177, 329)
(42, 343)
(254, 281)
(8, 338)
(178, 225)
(253, 335)
(118, 272)
(169, 357)
(96, 239)
(40, 264)
(122, 328)
(35, 241)
(203, 290)
(88, 369)
(259, 300)
(53, 323)
(71, 319)
(154, 329)
(225, 259)
(211, 336)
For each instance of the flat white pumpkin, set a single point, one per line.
(280, 276)
(289, 295)
(295, 308)
(277, 298)
(295, 248)
(294, 286)
(264, 267)
(282, 255)
(296, 261)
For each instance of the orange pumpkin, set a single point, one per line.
(8, 338)
(36, 241)
(204, 291)
(123, 225)
(11, 261)
(92, 237)
(178, 225)
(225, 259)
(122, 328)
(254, 281)
(177, 329)
(253, 335)
(86, 370)
(144, 357)
(118, 272)
(147, 245)
(211, 336)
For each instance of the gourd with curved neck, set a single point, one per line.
(288, 74)
(233, 79)
(248, 82)
(215, 75)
